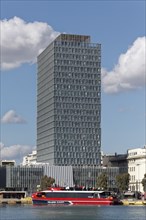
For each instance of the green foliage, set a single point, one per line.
(122, 181)
(144, 183)
(46, 182)
(102, 181)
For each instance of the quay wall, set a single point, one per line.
(26, 200)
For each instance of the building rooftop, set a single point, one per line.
(73, 37)
(8, 162)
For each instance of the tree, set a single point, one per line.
(122, 181)
(102, 181)
(46, 182)
(144, 183)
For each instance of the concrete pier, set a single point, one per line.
(133, 202)
(11, 201)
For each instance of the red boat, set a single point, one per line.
(73, 197)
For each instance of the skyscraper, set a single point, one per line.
(69, 102)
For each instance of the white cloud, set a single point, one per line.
(15, 152)
(12, 117)
(21, 42)
(130, 72)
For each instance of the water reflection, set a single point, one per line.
(29, 212)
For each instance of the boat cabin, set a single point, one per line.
(73, 194)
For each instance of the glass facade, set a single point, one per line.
(69, 102)
(23, 178)
(87, 176)
(2, 177)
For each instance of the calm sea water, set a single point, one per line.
(30, 212)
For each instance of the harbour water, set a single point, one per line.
(30, 212)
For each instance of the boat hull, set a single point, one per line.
(71, 202)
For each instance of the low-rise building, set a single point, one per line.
(20, 178)
(136, 167)
(116, 160)
(87, 176)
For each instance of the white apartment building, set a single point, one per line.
(30, 159)
(136, 167)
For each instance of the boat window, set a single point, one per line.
(96, 195)
(69, 195)
(104, 194)
(91, 196)
(43, 194)
(39, 195)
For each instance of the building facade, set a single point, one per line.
(63, 175)
(136, 167)
(87, 176)
(69, 102)
(28, 178)
(116, 160)
(30, 159)
(20, 178)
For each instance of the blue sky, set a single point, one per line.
(27, 27)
